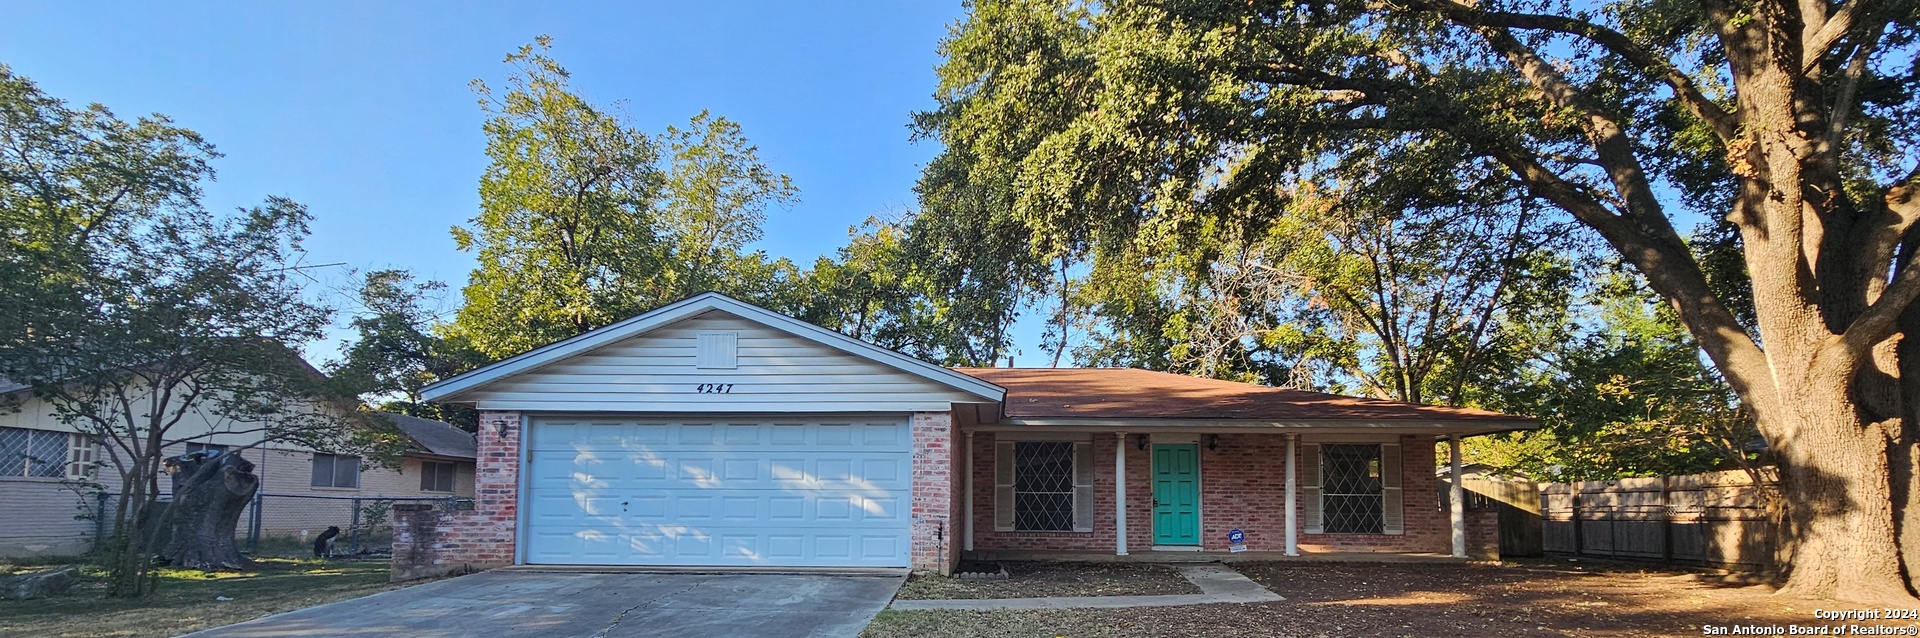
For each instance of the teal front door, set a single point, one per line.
(1176, 494)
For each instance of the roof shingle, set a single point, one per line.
(1126, 393)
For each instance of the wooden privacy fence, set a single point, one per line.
(1717, 518)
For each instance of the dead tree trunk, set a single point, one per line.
(209, 491)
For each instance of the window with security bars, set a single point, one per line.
(1351, 493)
(35, 453)
(1043, 486)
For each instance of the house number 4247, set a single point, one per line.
(714, 388)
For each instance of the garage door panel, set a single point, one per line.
(787, 491)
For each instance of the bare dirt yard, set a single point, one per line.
(1031, 579)
(189, 600)
(1340, 600)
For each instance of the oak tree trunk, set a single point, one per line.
(209, 493)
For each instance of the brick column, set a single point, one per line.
(935, 497)
(429, 542)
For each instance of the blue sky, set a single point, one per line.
(361, 110)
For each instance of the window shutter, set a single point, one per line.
(1310, 487)
(1003, 485)
(1393, 519)
(1083, 487)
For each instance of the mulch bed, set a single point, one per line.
(1328, 599)
(1042, 579)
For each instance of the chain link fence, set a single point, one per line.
(289, 524)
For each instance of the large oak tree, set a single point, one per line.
(1793, 120)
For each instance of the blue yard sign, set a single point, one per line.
(1236, 537)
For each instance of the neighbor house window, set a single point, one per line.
(1043, 486)
(436, 477)
(336, 470)
(35, 453)
(1351, 489)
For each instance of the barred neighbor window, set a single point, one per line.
(436, 477)
(34, 453)
(336, 470)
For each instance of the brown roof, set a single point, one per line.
(1125, 393)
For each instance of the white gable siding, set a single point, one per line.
(658, 372)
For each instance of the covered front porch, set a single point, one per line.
(1176, 468)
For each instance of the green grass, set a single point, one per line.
(187, 600)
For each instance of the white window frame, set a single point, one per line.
(1082, 470)
(83, 456)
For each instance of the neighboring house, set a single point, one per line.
(711, 432)
(50, 474)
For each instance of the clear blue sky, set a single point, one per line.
(361, 109)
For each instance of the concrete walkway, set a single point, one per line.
(1217, 583)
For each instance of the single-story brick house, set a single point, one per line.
(712, 432)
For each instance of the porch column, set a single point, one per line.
(1120, 494)
(966, 472)
(1293, 487)
(1457, 506)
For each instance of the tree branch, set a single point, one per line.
(1723, 123)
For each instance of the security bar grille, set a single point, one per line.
(1043, 486)
(38, 453)
(1351, 489)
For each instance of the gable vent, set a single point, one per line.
(719, 350)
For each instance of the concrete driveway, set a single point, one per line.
(502, 604)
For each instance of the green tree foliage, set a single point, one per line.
(1631, 397)
(398, 349)
(716, 198)
(128, 308)
(566, 216)
(585, 221)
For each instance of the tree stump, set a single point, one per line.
(209, 492)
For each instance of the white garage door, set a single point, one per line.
(731, 491)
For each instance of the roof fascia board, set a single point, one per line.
(646, 322)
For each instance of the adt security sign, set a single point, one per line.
(1236, 540)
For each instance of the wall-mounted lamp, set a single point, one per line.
(1213, 442)
(1140, 443)
(499, 427)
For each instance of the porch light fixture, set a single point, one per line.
(499, 427)
(1141, 443)
(1213, 442)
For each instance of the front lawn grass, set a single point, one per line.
(1044, 579)
(187, 600)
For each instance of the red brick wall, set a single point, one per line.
(431, 543)
(1242, 485)
(936, 492)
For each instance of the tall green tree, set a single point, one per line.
(584, 220)
(1103, 116)
(397, 349)
(715, 201)
(129, 309)
(566, 216)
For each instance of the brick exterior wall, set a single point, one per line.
(1242, 485)
(429, 543)
(936, 493)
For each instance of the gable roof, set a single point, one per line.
(1036, 394)
(435, 437)
(704, 302)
